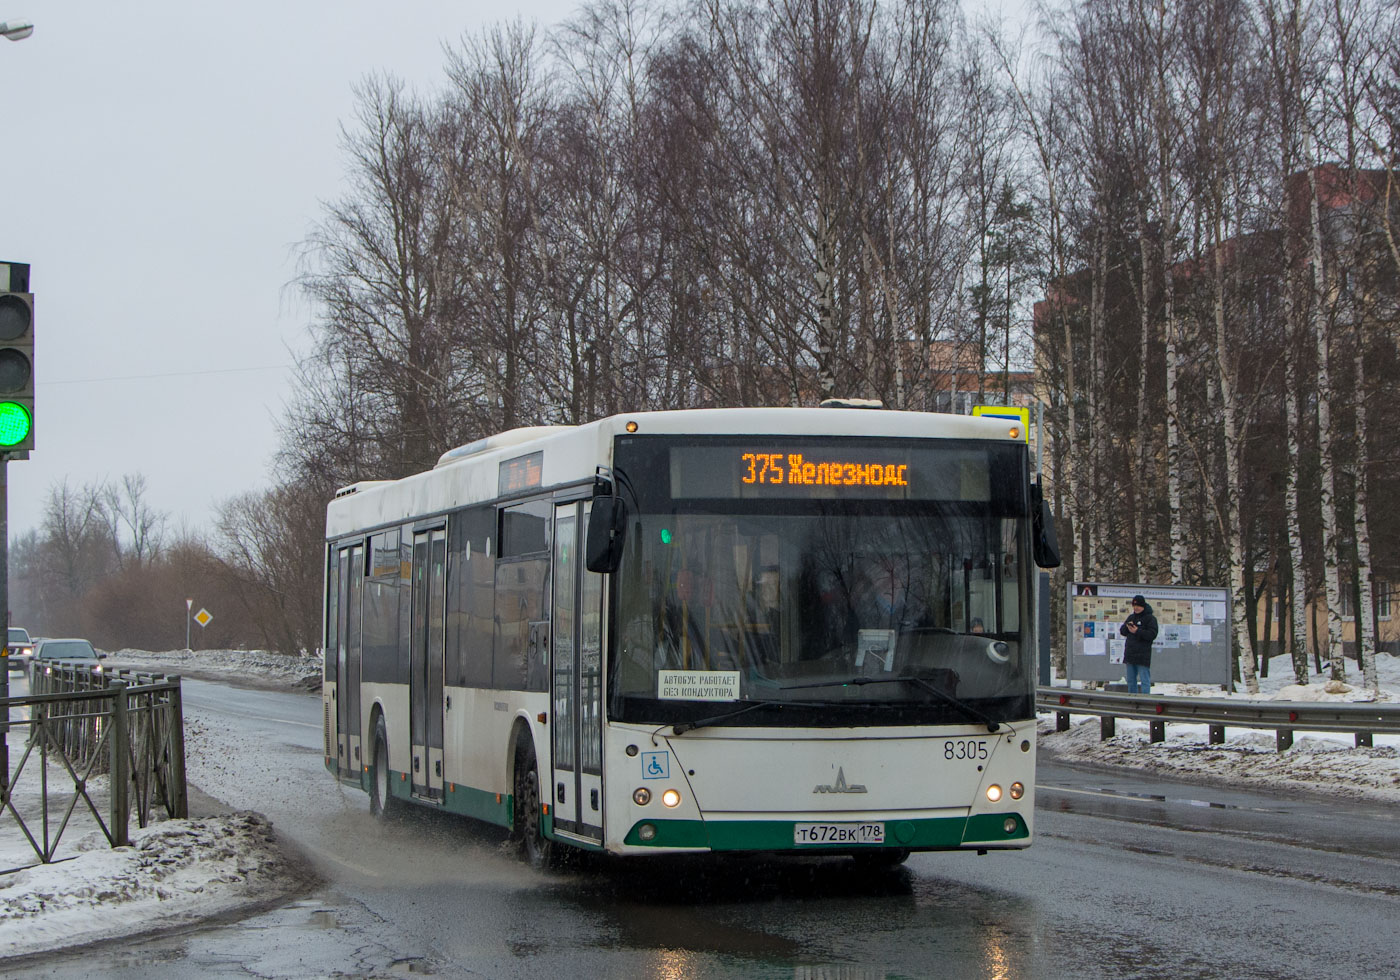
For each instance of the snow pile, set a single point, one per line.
(1326, 762)
(1330, 691)
(174, 873)
(233, 666)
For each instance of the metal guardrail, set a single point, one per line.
(1284, 717)
(126, 725)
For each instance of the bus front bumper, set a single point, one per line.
(981, 831)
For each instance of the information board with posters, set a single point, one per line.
(1193, 632)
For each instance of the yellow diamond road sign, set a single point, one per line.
(204, 617)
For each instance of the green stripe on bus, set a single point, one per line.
(777, 835)
(475, 803)
(479, 805)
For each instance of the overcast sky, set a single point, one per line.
(161, 161)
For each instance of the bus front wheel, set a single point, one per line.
(534, 847)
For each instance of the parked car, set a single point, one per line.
(47, 653)
(21, 648)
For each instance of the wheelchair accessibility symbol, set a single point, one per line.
(656, 765)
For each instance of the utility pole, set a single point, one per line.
(5, 622)
(16, 280)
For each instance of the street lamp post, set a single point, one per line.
(16, 30)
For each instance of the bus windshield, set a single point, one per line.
(803, 598)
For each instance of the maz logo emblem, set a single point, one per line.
(840, 785)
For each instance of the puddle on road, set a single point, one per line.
(690, 930)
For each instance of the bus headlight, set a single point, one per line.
(1017, 791)
(994, 792)
(671, 798)
(641, 796)
(646, 832)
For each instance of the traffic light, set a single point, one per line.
(16, 359)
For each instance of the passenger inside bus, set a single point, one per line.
(796, 597)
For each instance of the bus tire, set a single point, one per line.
(382, 801)
(535, 848)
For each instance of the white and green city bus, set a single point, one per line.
(765, 629)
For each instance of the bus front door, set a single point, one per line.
(576, 680)
(425, 660)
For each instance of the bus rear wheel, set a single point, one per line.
(535, 848)
(382, 802)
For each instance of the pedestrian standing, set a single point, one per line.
(1139, 630)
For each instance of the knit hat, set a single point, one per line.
(1139, 601)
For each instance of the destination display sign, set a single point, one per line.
(795, 468)
(776, 469)
(521, 473)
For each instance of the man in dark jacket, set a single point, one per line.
(1140, 629)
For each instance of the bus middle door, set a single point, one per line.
(425, 660)
(576, 680)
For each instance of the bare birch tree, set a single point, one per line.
(1357, 68)
(1290, 52)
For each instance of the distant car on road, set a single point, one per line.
(21, 648)
(47, 653)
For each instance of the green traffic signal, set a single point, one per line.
(14, 424)
(16, 360)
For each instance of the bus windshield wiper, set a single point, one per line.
(961, 705)
(681, 727)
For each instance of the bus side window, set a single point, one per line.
(522, 588)
(470, 605)
(381, 611)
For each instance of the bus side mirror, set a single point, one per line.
(607, 529)
(1044, 544)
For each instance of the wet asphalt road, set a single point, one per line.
(1130, 876)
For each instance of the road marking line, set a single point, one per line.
(1091, 792)
(1154, 799)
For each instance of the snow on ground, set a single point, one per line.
(182, 871)
(175, 873)
(1320, 762)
